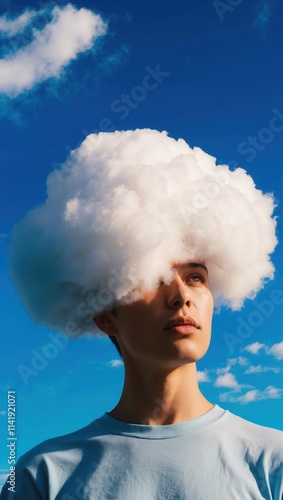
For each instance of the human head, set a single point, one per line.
(120, 210)
(140, 329)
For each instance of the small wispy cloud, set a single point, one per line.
(11, 27)
(224, 369)
(3, 412)
(240, 360)
(232, 362)
(269, 392)
(262, 369)
(112, 61)
(203, 376)
(263, 14)
(276, 350)
(255, 347)
(114, 363)
(66, 33)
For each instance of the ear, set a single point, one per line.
(104, 321)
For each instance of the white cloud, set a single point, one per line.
(272, 393)
(240, 360)
(116, 195)
(276, 350)
(203, 376)
(114, 363)
(11, 27)
(255, 347)
(3, 412)
(227, 380)
(225, 369)
(250, 396)
(269, 392)
(69, 33)
(262, 369)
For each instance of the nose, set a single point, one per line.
(178, 294)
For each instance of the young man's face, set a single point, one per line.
(171, 325)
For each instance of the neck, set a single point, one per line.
(153, 398)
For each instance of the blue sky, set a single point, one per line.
(218, 76)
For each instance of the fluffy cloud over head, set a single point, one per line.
(66, 33)
(123, 207)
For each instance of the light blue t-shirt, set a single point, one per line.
(218, 456)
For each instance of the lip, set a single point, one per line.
(182, 325)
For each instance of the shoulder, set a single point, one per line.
(37, 469)
(72, 444)
(248, 426)
(256, 437)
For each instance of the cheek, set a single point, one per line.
(207, 308)
(134, 325)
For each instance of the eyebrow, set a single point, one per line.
(193, 264)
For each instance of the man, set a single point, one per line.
(161, 336)
(164, 439)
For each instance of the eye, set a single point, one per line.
(195, 278)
